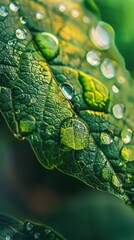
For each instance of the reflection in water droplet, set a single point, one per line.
(118, 110)
(39, 15)
(100, 35)
(14, 6)
(105, 138)
(93, 58)
(126, 135)
(21, 34)
(62, 7)
(37, 235)
(86, 19)
(29, 226)
(75, 13)
(127, 153)
(115, 89)
(23, 20)
(3, 11)
(67, 90)
(107, 68)
(48, 44)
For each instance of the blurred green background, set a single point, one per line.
(27, 190)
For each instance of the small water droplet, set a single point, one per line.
(115, 89)
(126, 135)
(39, 15)
(86, 19)
(93, 57)
(121, 79)
(48, 44)
(10, 42)
(62, 7)
(14, 6)
(127, 153)
(105, 138)
(3, 11)
(23, 20)
(100, 35)
(107, 68)
(8, 237)
(67, 90)
(47, 231)
(118, 110)
(21, 34)
(29, 226)
(37, 235)
(75, 13)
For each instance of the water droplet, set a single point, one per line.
(107, 68)
(67, 90)
(106, 138)
(93, 58)
(86, 19)
(39, 15)
(48, 44)
(127, 153)
(3, 11)
(47, 231)
(10, 42)
(23, 20)
(115, 89)
(126, 135)
(121, 79)
(8, 237)
(37, 235)
(29, 226)
(118, 110)
(21, 34)
(62, 7)
(75, 13)
(14, 6)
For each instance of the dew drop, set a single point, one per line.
(107, 68)
(10, 42)
(37, 235)
(126, 135)
(14, 6)
(8, 237)
(3, 11)
(21, 34)
(127, 153)
(62, 7)
(86, 19)
(29, 226)
(100, 35)
(105, 138)
(39, 15)
(67, 90)
(93, 58)
(48, 44)
(115, 89)
(75, 13)
(118, 110)
(23, 20)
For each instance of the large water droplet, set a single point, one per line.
(127, 153)
(118, 110)
(14, 6)
(21, 34)
(67, 90)
(100, 35)
(75, 13)
(115, 89)
(62, 7)
(39, 15)
(48, 44)
(23, 20)
(3, 11)
(105, 138)
(126, 135)
(108, 68)
(29, 226)
(37, 235)
(93, 57)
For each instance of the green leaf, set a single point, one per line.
(11, 228)
(65, 89)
